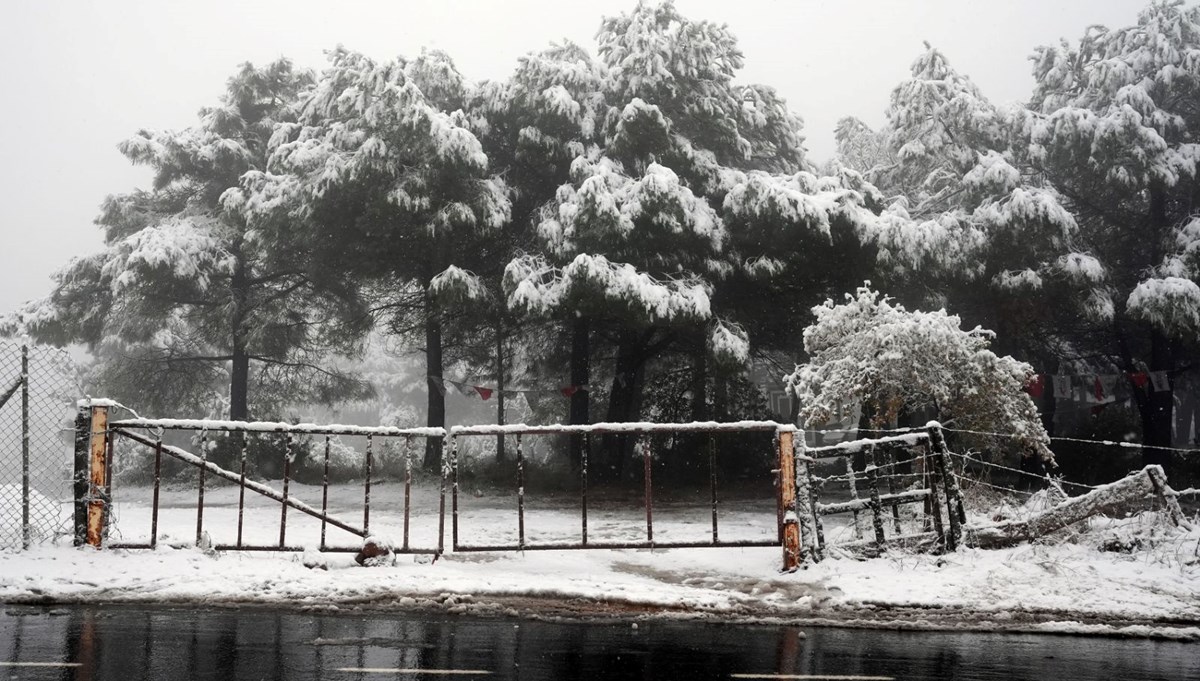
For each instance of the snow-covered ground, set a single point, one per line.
(1070, 586)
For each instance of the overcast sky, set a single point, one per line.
(78, 77)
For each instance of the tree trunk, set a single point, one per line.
(239, 373)
(580, 375)
(239, 384)
(435, 414)
(623, 404)
(700, 381)
(1157, 410)
(500, 386)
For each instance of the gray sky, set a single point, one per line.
(78, 77)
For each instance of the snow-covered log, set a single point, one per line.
(1150, 481)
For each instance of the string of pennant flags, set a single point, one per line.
(483, 392)
(1097, 387)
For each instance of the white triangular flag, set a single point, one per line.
(1160, 381)
(1108, 384)
(1062, 387)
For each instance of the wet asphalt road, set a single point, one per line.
(128, 642)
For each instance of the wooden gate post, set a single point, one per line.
(955, 514)
(790, 529)
(97, 488)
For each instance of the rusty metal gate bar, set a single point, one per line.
(586, 431)
(121, 429)
(787, 479)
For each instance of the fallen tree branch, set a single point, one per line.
(1116, 496)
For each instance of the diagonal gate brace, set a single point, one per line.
(257, 487)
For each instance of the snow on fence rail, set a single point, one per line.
(893, 471)
(930, 482)
(799, 509)
(94, 452)
(644, 451)
(901, 469)
(96, 434)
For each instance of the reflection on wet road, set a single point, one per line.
(128, 642)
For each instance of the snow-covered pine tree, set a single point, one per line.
(1115, 125)
(961, 205)
(860, 148)
(532, 126)
(870, 351)
(385, 181)
(632, 242)
(969, 223)
(185, 295)
(680, 181)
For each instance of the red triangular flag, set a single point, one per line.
(570, 390)
(485, 393)
(1098, 389)
(1036, 386)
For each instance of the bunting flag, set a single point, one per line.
(1096, 388)
(1107, 384)
(1062, 387)
(1159, 381)
(484, 392)
(1036, 387)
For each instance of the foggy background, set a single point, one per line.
(78, 78)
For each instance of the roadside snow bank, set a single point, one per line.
(1069, 588)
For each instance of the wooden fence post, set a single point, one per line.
(873, 489)
(97, 505)
(818, 530)
(954, 507)
(787, 502)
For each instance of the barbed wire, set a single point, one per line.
(975, 481)
(1011, 436)
(1105, 443)
(1035, 476)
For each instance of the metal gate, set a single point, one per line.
(791, 521)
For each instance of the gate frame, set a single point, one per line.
(96, 432)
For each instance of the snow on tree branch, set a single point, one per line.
(1171, 304)
(869, 351)
(593, 281)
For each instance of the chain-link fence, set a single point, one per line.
(38, 388)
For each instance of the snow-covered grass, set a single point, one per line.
(1146, 582)
(1028, 588)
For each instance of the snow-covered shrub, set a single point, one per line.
(889, 359)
